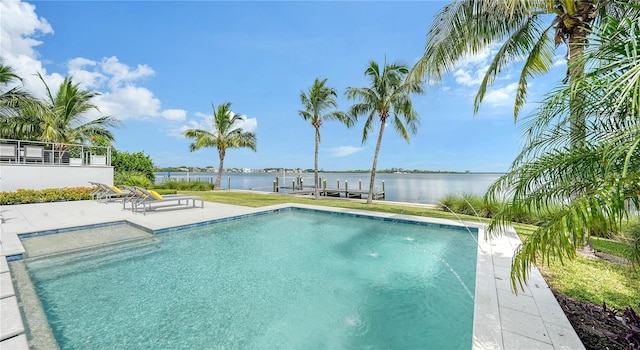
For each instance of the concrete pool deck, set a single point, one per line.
(532, 319)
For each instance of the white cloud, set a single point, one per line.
(20, 27)
(205, 122)
(471, 68)
(248, 124)
(20, 32)
(89, 79)
(121, 74)
(470, 77)
(203, 115)
(433, 82)
(174, 114)
(343, 151)
(501, 96)
(120, 97)
(129, 103)
(559, 61)
(478, 59)
(191, 124)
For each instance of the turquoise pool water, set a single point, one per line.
(287, 280)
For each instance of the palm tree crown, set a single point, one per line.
(59, 118)
(388, 99)
(64, 118)
(12, 101)
(593, 185)
(317, 103)
(530, 33)
(226, 134)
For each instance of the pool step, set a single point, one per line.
(60, 264)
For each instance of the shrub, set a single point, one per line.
(469, 204)
(474, 205)
(632, 233)
(186, 185)
(47, 195)
(448, 203)
(165, 191)
(132, 178)
(138, 180)
(132, 163)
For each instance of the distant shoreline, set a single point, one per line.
(306, 171)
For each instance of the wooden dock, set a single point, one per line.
(297, 188)
(336, 192)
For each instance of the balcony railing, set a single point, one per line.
(21, 152)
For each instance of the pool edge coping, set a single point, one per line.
(489, 331)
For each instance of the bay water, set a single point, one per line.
(424, 188)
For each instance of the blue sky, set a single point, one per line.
(160, 65)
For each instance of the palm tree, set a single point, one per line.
(226, 134)
(9, 99)
(12, 101)
(529, 31)
(316, 103)
(389, 99)
(64, 119)
(580, 186)
(61, 118)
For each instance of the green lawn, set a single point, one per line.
(595, 281)
(585, 279)
(608, 246)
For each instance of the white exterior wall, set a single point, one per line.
(37, 177)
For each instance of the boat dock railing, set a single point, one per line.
(297, 187)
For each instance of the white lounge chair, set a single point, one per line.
(143, 200)
(104, 192)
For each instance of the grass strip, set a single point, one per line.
(609, 246)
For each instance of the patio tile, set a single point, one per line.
(524, 324)
(503, 280)
(486, 332)
(520, 342)
(10, 319)
(502, 261)
(4, 267)
(11, 244)
(564, 337)
(6, 286)
(519, 302)
(16, 343)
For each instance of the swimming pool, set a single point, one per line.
(289, 279)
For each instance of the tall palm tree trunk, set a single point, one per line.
(577, 118)
(315, 166)
(575, 73)
(221, 153)
(375, 161)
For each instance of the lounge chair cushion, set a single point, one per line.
(115, 189)
(155, 195)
